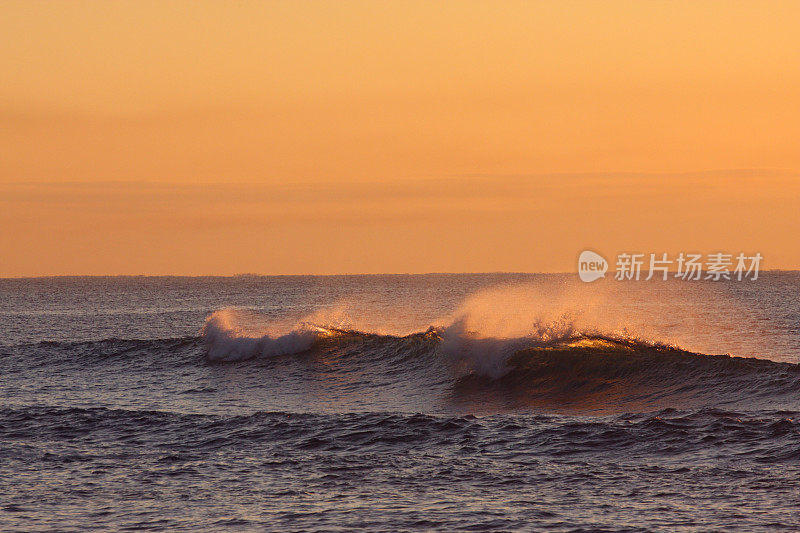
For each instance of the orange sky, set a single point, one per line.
(328, 137)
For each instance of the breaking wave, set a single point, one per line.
(553, 366)
(227, 338)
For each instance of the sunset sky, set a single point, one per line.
(363, 137)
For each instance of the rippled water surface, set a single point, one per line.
(449, 402)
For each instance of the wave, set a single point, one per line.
(552, 368)
(767, 436)
(168, 352)
(226, 341)
(601, 374)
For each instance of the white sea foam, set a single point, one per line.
(236, 335)
(471, 352)
(479, 336)
(493, 324)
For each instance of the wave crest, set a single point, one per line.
(554, 366)
(233, 335)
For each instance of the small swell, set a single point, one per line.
(766, 436)
(168, 353)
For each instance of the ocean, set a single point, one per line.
(452, 402)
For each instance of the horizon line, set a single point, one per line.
(257, 275)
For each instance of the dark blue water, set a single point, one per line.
(390, 403)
